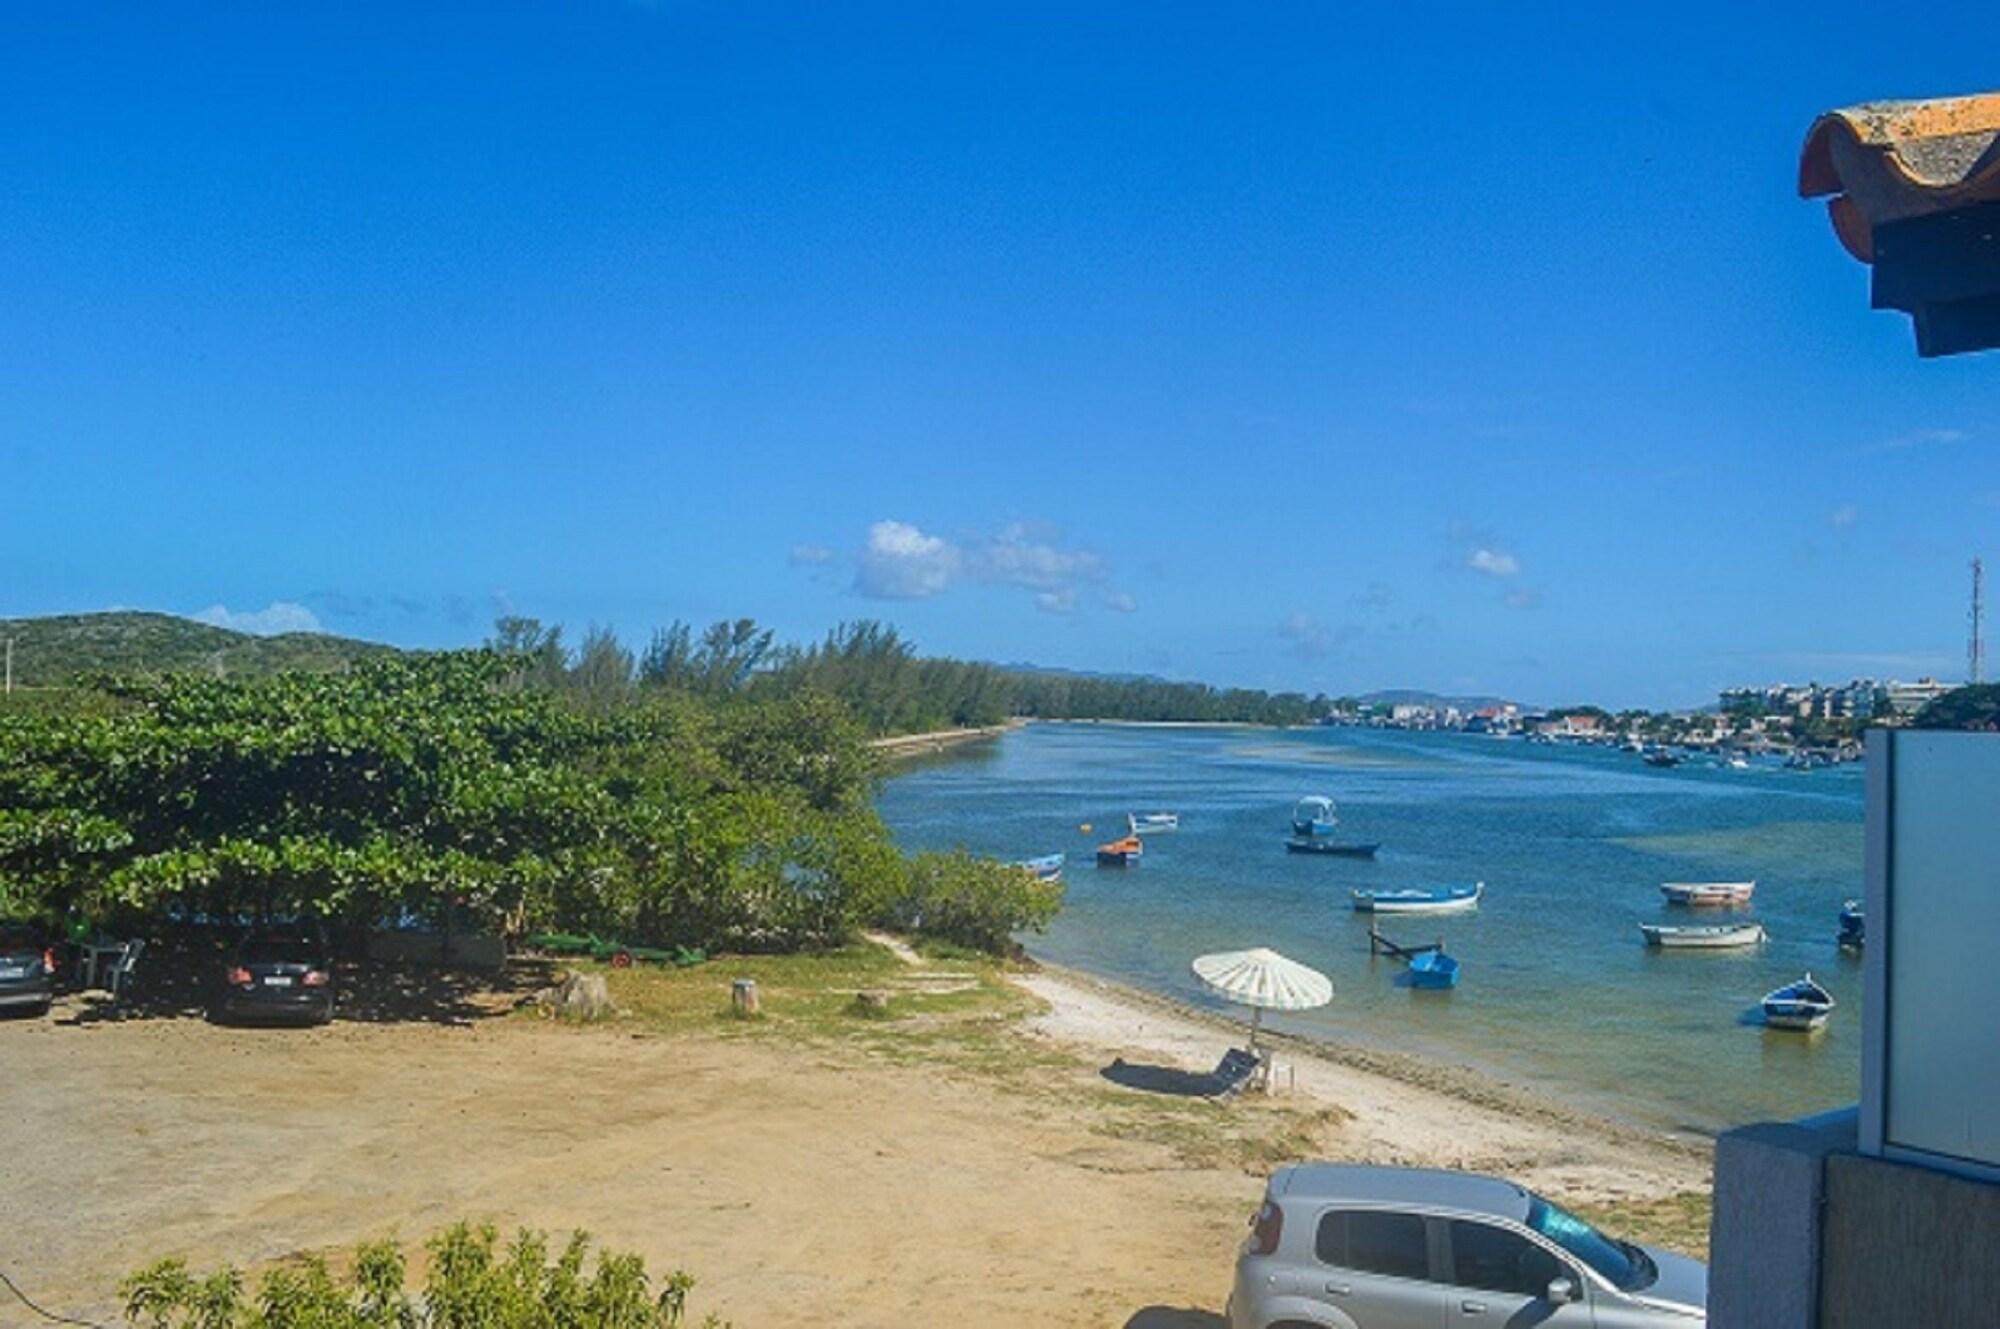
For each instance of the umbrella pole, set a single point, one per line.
(1256, 1014)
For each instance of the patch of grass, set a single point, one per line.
(1677, 1222)
(1248, 1134)
(813, 994)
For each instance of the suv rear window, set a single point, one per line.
(1373, 1242)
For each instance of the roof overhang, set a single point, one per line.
(1913, 188)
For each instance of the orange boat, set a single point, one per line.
(1120, 853)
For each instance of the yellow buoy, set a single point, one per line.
(1085, 828)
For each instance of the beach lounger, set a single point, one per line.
(1236, 1069)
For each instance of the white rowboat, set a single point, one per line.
(1700, 894)
(1711, 937)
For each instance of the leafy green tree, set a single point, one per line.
(1976, 706)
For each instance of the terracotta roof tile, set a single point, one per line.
(1889, 161)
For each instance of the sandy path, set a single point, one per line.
(1402, 1112)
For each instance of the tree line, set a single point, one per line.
(876, 673)
(416, 787)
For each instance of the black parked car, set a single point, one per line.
(279, 975)
(27, 968)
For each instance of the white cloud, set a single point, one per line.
(900, 562)
(278, 616)
(808, 556)
(1843, 516)
(1017, 557)
(1474, 549)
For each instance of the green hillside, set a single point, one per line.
(52, 651)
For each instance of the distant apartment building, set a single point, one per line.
(1909, 698)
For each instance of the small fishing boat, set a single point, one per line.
(1703, 937)
(1150, 823)
(1433, 970)
(1708, 894)
(1853, 927)
(1120, 853)
(1337, 848)
(1313, 819)
(1738, 762)
(1048, 867)
(1661, 757)
(1420, 900)
(1801, 1005)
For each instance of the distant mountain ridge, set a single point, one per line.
(1416, 697)
(61, 647)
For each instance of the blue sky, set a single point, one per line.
(1319, 347)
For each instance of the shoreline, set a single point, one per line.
(896, 747)
(1403, 1109)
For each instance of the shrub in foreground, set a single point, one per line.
(976, 902)
(474, 1283)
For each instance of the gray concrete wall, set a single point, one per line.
(470, 949)
(1907, 1246)
(1764, 1238)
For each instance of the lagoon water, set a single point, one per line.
(1559, 991)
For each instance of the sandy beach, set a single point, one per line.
(976, 1162)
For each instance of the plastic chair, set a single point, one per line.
(121, 972)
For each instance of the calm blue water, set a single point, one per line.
(1558, 992)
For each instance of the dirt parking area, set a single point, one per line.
(801, 1183)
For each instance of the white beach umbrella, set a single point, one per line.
(1263, 980)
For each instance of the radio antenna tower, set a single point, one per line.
(1975, 651)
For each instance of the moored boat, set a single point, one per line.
(1661, 757)
(1853, 926)
(1312, 818)
(1708, 894)
(1149, 823)
(1433, 970)
(1120, 853)
(1048, 867)
(1801, 1005)
(1337, 848)
(1420, 900)
(1709, 936)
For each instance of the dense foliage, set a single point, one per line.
(1976, 706)
(878, 675)
(473, 1283)
(410, 786)
(973, 901)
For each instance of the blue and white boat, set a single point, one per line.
(1048, 867)
(1149, 823)
(1313, 818)
(1433, 970)
(1801, 1005)
(1420, 900)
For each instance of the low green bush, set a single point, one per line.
(967, 901)
(474, 1283)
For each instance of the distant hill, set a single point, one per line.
(1414, 697)
(55, 650)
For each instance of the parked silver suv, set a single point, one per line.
(1343, 1247)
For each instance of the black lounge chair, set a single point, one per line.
(1236, 1069)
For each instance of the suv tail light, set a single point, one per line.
(1266, 1226)
(315, 978)
(241, 977)
(49, 961)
